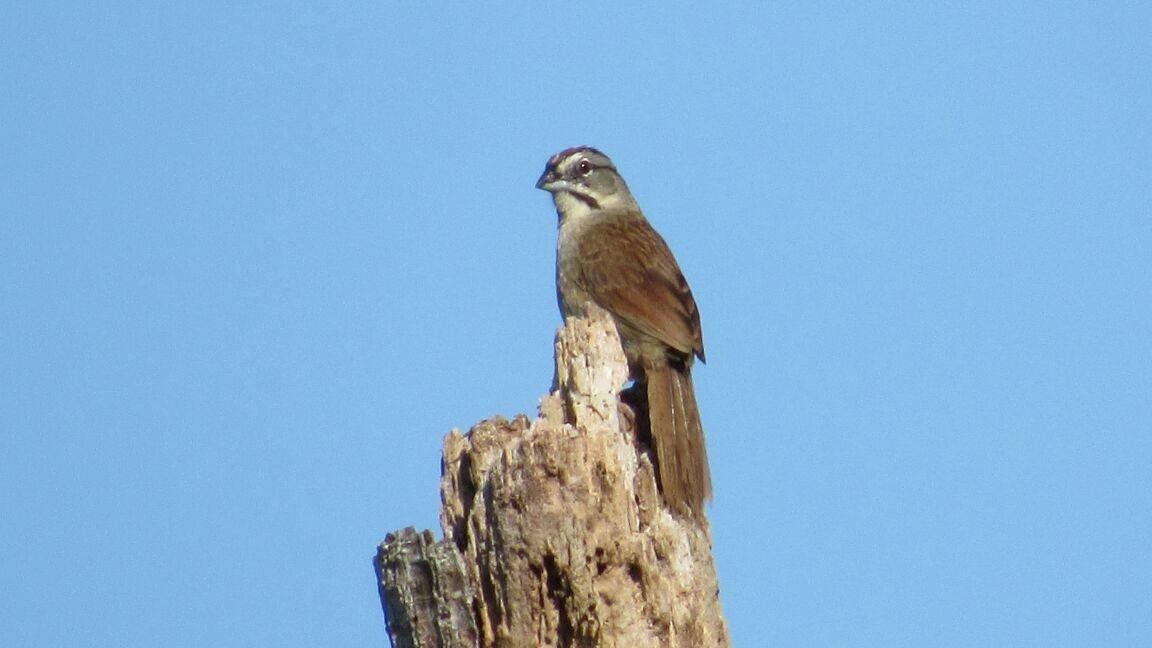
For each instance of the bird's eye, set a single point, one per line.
(584, 167)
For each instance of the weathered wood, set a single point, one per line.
(562, 535)
(425, 592)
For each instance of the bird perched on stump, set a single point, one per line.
(608, 254)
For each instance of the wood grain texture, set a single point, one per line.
(425, 592)
(560, 526)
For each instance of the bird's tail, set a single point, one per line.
(681, 457)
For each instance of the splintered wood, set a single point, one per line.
(563, 536)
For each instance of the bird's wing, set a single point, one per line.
(630, 272)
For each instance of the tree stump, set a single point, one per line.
(554, 531)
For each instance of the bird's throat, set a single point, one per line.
(574, 206)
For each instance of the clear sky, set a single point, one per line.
(255, 261)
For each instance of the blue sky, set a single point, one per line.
(257, 260)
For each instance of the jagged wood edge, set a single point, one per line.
(425, 592)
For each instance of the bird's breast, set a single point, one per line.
(570, 290)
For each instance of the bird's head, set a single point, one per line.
(584, 179)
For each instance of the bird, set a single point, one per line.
(608, 254)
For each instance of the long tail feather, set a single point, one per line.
(678, 437)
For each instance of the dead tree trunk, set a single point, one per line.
(555, 534)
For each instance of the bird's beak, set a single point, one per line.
(551, 183)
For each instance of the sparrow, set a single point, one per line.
(609, 255)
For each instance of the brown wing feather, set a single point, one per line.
(630, 271)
